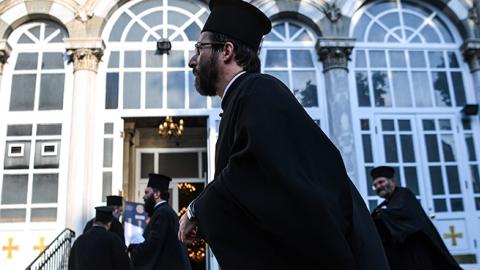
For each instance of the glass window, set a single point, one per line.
(51, 92)
(45, 188)
(14, 189)
(23, 92)
(179, 165)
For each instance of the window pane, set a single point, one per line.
(45, 188)
(178, 165)
(440, 205)
(14, 189)
(111, 99)
(43, 161)
(436, 59)
(453, 180)
(448, 146)
(176, 89)
(51, 92)
(153, 59)
(44, 214)
(367, 148)
(388, 125)
(23, 92)
(436, 180)
(107, 152)
(108, 128)
(411, 179)
(147, 165)
(397, 59)
(362, 89)
(453, 62)
(153, 88)
(459, 90)
(106, 185)
(19, 130)
(401, 89)
(52, 60)
(430, 35)
(136, 33)
(119, 27)
(475, 178)
(12, 215)
(131, 90)
(365, 124)
(404, 125)
(368, 178)
(391, 154)
(381, 89)
(407, 148)
(360, 60)
(176, 59)
(457, 204)
(281, 75)
(301, 58)
(377, 59)
(113, 62)
(422, 94)
(470, 147)
(428, 125)
(276, 58)
(26, 61)
(444, 124)
(132, 59)
(432, 148)
(376, 34)
(440, 85)
(305, 88)
(417, 59)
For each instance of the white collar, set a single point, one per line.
(160, 202)
(230, 83)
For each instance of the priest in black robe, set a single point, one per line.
(410, 239)
(116, 203)
(281, 197)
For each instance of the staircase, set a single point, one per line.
(55, 256)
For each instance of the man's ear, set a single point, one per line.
(228, 53)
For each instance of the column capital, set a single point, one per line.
(471, 53)
(334, 52)
(85, 53)
(5, 51)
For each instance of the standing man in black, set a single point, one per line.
(161, 249)
(116, 203)
(410, 239)
(281, 197)
(98, 249)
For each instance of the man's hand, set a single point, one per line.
(187, 232)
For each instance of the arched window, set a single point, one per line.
(140, 78)
(288, 54)
(33, 114)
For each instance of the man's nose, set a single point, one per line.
(193, 61)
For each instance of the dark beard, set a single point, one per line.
(150, 205)
(207, 76)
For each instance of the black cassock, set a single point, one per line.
(98, 249)
(161, 249)
(410, 239)
(116, 228)
(281, 197)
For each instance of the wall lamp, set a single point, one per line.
(470, 109)
(164, 46)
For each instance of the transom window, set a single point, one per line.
(38, 79)
(406, 57)
(138, 77)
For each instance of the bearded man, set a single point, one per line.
(281, 197)
(410, 239)
(161, 248)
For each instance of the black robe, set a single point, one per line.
(161, 249)
(281, 197)
(116, 228)
(410, 239)
(98, 249)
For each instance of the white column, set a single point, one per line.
(334, 54)
(85, 54)
(5, 50)
(471, 53)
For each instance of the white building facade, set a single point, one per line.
(83, 90)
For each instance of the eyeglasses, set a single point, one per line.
(201, 45)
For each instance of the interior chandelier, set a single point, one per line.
(169, 128)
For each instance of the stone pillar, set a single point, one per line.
(334, 54)
(471, 54)
(5, 50)
(85, 55)
(128, 161)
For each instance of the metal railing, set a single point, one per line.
(55, 256)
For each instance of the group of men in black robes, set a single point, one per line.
(102, 244)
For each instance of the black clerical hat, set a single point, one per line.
(158, 181)
(382, 171)
(103, 214)
(114, 200)
(239, 20)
